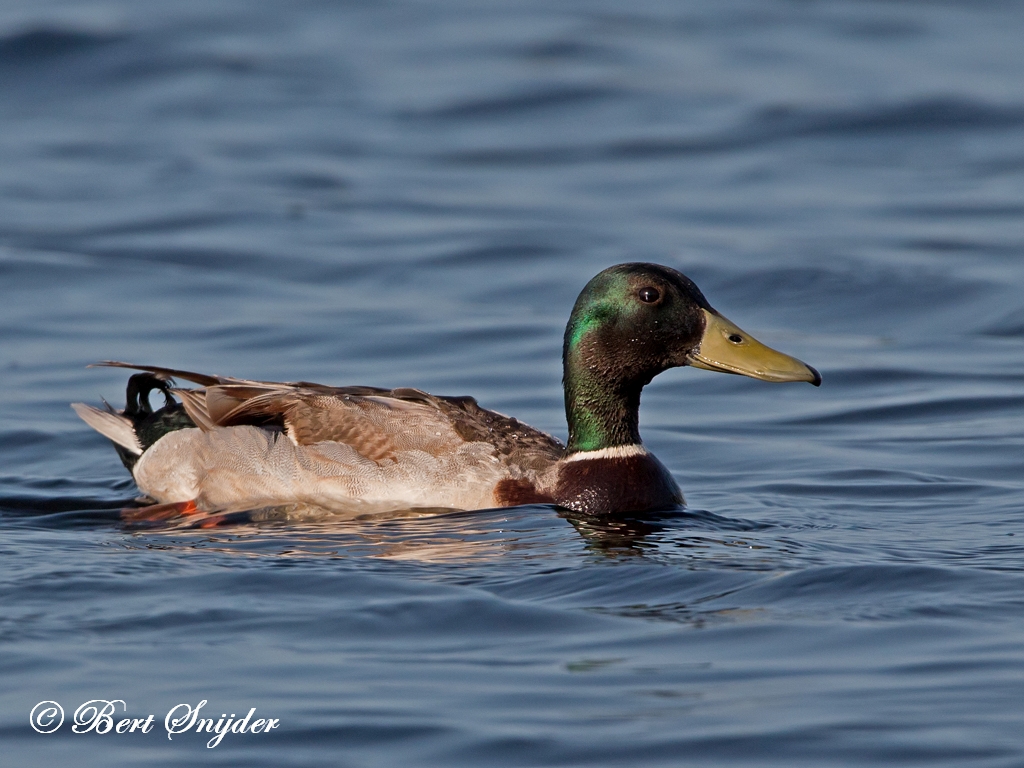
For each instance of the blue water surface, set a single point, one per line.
(412, 194)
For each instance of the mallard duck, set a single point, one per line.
(235, 443)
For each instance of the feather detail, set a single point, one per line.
(352, 445)
(197, 378)
(194, 401)
(111, 425)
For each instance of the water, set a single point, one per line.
(412, 194)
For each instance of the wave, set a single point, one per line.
(36, 44)
(771, 125)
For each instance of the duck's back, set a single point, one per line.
(356, 447)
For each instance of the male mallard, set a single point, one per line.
(236, 444)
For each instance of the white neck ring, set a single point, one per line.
(615, 452)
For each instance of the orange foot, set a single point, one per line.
(160, 512)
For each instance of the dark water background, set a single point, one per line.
(412, 194)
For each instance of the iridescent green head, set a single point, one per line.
(630, 323)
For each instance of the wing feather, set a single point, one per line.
(112, 426)
(378, 423)
(194, 401)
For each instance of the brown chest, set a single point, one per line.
(606, 486)
(600, 486)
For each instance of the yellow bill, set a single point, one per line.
(728, 349)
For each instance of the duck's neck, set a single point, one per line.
(601, 406)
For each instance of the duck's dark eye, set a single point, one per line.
(649, 295)
(735, 338)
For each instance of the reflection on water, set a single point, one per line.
(537, 533)
(612, 537)
(300, 531)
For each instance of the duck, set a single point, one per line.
(234, 443)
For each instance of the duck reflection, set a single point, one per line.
(434, 535)
(426, 535)
(618, 536)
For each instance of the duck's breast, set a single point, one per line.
(609, 484)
